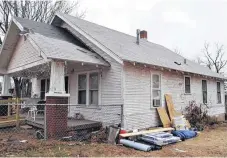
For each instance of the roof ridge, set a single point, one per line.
(99, 25)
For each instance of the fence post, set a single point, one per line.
(45, 123)
(17, 113)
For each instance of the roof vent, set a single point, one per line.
(177, 63)
(185, 61)
(138, 36)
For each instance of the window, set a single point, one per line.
(187, 84)
(88, 88)
(218, 92)
(156, 90)
(93, 86)
(82, 88)
(204, 91)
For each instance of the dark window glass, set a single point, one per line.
(187, 84)
(66, 84)
(204, 91)
(43, 88)
(219, 92)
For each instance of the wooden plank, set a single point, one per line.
(146, 132)
(170, 106)
(164, 117)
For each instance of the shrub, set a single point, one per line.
(198, 116)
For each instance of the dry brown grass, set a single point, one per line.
(211, 142)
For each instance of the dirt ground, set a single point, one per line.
(211, 142)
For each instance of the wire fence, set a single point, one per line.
(56, 121)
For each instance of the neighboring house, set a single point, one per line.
(105, 67)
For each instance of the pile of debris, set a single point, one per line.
(175, 129)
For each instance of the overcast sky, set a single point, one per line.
(181, 24)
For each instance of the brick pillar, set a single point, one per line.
(56, 116)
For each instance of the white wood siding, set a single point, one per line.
(139, 112)
(111, 79)
(23, 55)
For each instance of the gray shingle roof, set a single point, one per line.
(57, 43)
(146, 52)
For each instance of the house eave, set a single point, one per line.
(161, 68)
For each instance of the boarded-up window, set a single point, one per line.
(82, 86)
(219, 92)
(187, 84)
(93, 86)
(204, 91)
(156, 90)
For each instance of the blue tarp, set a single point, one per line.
(184, 134)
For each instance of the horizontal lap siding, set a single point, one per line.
(138, 113)
(24, 54)
(108, 115)
(111, 80)
(111, 83)
(137, 110)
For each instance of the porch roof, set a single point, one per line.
(62, 50)
(50, 42)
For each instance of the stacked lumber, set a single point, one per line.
(175, 119)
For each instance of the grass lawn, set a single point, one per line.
(211, 142)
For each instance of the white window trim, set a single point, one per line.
(151, 90)
(190, 85)
(217, 93)
(202, 90)
(88, 87)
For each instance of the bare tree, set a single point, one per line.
(40, 10)
(214, 61)
(177, 51)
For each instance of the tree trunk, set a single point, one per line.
(17, 87)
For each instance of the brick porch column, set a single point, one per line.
(57, 114)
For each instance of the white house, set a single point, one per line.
(96, 65)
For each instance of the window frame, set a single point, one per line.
(205, 91)
(218, 92)
(189, 85)
(88, 87)
(78, 90)
(158, 89)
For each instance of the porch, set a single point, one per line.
(72, 124)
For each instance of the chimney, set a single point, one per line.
(137, 36)
(143, 34)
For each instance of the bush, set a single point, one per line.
(198, 116)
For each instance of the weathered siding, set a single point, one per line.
(23, 55)
(110, 83)
(138, 110)
(108, 114)
(111, 79)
